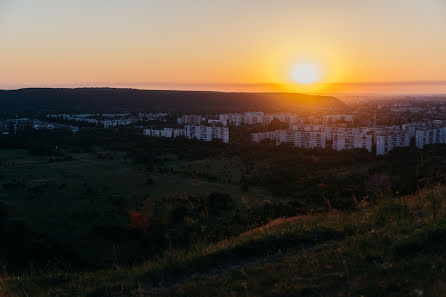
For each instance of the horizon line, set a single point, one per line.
(268, 87)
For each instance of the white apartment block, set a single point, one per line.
(347, 139)
(251, 118)
(191, 119)
(284, 136)
(423, 137)
(232, 118)
(217, 122)
(259, 137)
(221, 133)
(166, 132)
(339, 141)
(388, 141)
(152, 116)
(430, 136)
(300, 139)
(114, 120)
(413, 127)
(115, 123)
(283, 117)
(307, 127)
(206, 133)
(333, 119)
(363, 141)
(309, 140)
(198, 132)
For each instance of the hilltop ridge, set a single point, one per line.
(118, 100)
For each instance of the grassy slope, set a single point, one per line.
(70, 213)
(395, 248)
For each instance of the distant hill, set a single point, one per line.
(118, 100)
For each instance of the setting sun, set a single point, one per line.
(305, 73)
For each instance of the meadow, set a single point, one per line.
(70, 200)
(105, 213)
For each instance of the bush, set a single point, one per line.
(149, 180)
(220, 201)
(390, 212)
(4, 213)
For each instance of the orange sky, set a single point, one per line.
(224, 45)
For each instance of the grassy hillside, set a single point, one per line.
(108, 212)
(124, 100)
(392, 248)
(81, 205)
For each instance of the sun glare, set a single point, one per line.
(305, 73)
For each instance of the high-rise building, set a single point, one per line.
(385, 142)
(333, 119)
(347, 139)
(309, 140)
(206, 133)
(191, 119)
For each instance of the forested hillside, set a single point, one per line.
(124, 100)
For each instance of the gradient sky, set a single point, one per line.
(360, 46)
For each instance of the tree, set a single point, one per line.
(276, 124)
(3, 215)
(11, 129)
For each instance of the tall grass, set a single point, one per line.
(372, 227)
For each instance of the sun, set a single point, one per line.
(305, 73)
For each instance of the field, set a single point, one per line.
(67, 200)
(117, 214)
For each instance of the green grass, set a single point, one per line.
(391, 246)
(78, 195)
(394, 248)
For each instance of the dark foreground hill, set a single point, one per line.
(119, 100)
(111, 213)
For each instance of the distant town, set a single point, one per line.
(370, 127)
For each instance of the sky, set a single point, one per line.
(394, 46)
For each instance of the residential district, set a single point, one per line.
(336, 131)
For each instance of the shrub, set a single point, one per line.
(389, 212)
(4, 212)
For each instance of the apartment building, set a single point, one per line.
(259, 137)
(347, 139)
(430, 136)
(283, 117)
(165, 132)
(115, 123)
(198, 132)
(412, 127)
(363, 141)
(251, 118)
(309, 140)
(333, 119)
(206, 133)
(284, 136)
(232, 118)
(191, 119)
(217, 122)
(302, 139)
(390, 140)
(220, 133)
